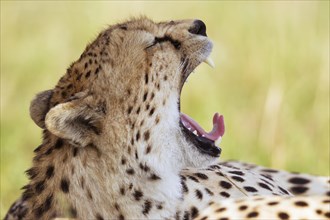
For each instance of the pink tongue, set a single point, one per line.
(217, 131)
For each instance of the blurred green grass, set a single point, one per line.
(271, 79)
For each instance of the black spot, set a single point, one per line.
(130, 171)
(262, 185)
(238, 178)
(152, 111)
(242, 207)
(284, 191)
(267, 176)
(32, 172)
(152, 96)
(38, 148)
(199, 194)
(193, 179)
(267, 182)
(97, 70)
(299, 189)
(89, 194)
(123, 161)
(215, 167)
(301, 203)
(50, 172)
(146, 135)
(201, 176)
(250, 189)
(184, 186)
(328, 193)
(136, 155)
(64, 94)
(221, 209)
(299, 180)
(252, 215)
(225, 194)
(129, 110)
(65, 184)
(59, 143)
(28, 193)
(272, 203)
(225, 184)
(122, 190)
(148, 149)
(326, 201)
(75, 151)
(327, 214)
(318, 211)
(138, 110)
(146, 207)
(40, 186)
(146, 78)
(269, 170)
(49, 151)
(99, 217)
(209, 192)
(88, 74)
(237, 173)
(137, 137)
(137, 195)
(145, 96)
(154, 177)
(194, 212)
(73, 212)
(121, 217)
(283, 215)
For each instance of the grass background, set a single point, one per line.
(271, 79)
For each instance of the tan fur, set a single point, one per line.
(112, 144)
(100, 148)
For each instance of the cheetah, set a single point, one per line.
(115, 144)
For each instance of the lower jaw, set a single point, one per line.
(203, 145)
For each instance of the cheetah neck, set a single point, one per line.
(92, 183)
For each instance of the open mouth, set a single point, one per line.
(206, 142)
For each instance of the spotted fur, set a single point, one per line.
(112, 143)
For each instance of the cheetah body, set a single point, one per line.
(113, 146)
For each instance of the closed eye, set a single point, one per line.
(157, 40)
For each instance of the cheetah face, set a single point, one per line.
(123, 95)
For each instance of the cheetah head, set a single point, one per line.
(123, 96)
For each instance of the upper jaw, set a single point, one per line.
(190, 63)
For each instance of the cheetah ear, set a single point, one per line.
(76, 121)
(40, 106)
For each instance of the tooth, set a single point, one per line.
(210, 62)
(195, 132)
(218, 141)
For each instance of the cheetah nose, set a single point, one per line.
(198, 28)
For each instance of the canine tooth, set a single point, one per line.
(195, 132)
(218, 141)
(210, 62)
